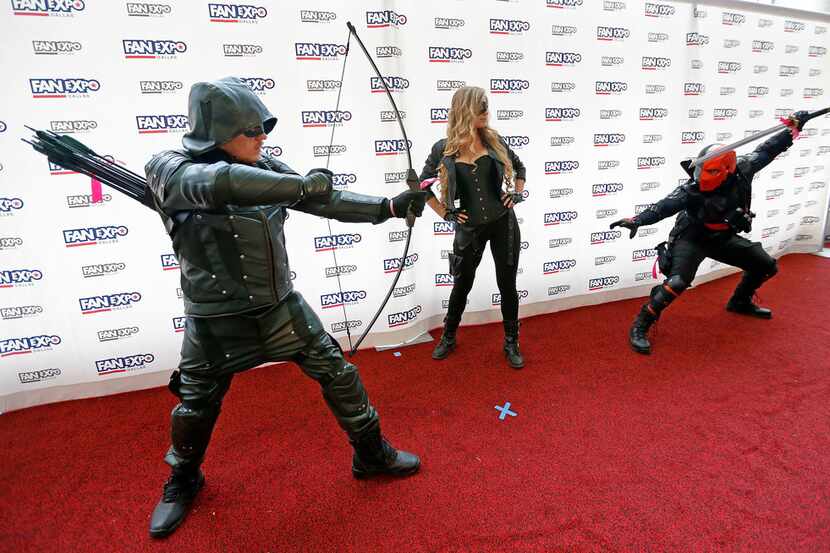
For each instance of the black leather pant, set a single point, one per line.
(214, 349)
(688, 252)
(468, 249)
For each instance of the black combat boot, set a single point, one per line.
(190, 432)
(511, 344)
(741, 301)
(639, 328)
(660, 298)
(373, 455)
(179, 492)
(447, 343)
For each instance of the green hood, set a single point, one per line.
(219, 110)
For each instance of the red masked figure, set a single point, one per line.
(713, 207)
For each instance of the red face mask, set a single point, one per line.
(716, 170)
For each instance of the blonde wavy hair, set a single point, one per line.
(468, 103)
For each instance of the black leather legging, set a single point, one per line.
(467, 258)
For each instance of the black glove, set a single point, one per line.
(628, 223)
(801, 117)
(320, 170)
(410, 199)
(515, 197)
(316, 185)
(451, 215)
(740, 220)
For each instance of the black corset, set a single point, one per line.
(478, 191)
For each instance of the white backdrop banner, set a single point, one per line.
(601, 99)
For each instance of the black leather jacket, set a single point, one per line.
(226, 222)
(436, 157)
(697, 209)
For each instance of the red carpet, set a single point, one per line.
(719, 441)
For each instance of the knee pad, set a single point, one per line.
(664, 294)
(190, 433)
(348, 400)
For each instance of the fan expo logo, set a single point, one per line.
(19, 278)
(558, 266)
(653, 113)
(564, 4)
(557, 114)
(91, 236)
(108, 302)
(8, 206)
(322, 85)
(449, 54)
(696, 39)
(113, 334)
(439, 115)
(653, 63)
(723, 114)
(403, 317)
(160, 87)
(46, 8)
(560, 217)
(28, 377)
(508, 27)
(517, 142)
(731, 18)
(562, 59)
(692, 137)
(10, 242)
(324, 118)
(561, 167)
(102, 269)
(152, 49)
(236, 13)
(658, 10)
(341, 299)
(728, 67)
(315, 16)
(392, 147)
(336, 242)
(608, 139)
(115, 365)
(28, 344)
(234, 50)
(606, 189)
(20, 312)
(341, 181)
(392, 265)
(508, 86)
(601, 283)
(443, 228)
(72, 127)
(143, 9)
(155, 124)
(395, 84)
(63, 87)
(612, 33)
(316, 51)
(169, 262)
(607, 88)
(650, 162)
(693, 89)
(55, 47)
(384, 19)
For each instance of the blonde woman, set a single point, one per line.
(480, 179)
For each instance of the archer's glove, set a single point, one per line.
(628, 223)
(317, 185)
(409, 199)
